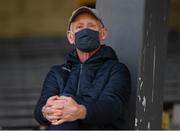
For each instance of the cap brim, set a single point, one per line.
(80, 10)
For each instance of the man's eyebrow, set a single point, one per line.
(79, 23)
(91, 24)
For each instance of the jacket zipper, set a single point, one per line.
(77, 92)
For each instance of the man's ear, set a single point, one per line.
(71, 37)
(103, 34)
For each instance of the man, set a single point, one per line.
(89, 91)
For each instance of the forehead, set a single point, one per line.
(85, 16)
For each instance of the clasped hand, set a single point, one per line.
(60, 109)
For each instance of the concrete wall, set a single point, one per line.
(35, 17)
(138, 33)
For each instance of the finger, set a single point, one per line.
(58, 107)
(68, 99)
(58, 122)
(64, 97)
(58, 102)
(53, 120)
(50, 110)
(58, 114)
(52, 98)
(53, 117)
(45, 110)
(50, 113)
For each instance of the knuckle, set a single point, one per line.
(70, 99)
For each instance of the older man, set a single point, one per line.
(89, 91)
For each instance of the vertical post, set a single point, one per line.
(138, 33)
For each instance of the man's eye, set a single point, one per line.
(93, 26)
(79, 27)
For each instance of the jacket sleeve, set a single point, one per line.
(110, 104)
(50, 88)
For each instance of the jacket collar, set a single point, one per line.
(103, 54)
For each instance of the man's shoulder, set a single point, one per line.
(115, 64)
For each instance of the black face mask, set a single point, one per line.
(87, 40)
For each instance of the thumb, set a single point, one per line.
(58, 122)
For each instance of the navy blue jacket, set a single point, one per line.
(101, 84)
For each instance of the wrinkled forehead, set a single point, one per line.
(84, 15)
